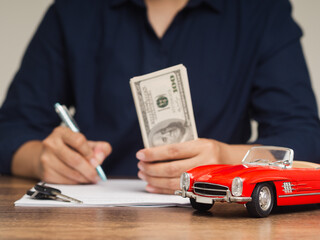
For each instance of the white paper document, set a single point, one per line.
(107, 194)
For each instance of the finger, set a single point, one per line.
(100, 150)
(173, 151)
(168, 169)
(50, 161)
(158, 182)
(78, 142)
(49, 174)
(55, 177)
(74, 160)
(152, 189)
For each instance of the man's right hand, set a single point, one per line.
(65, 157)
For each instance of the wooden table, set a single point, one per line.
(224, 221)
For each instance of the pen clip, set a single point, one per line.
(66, 117)
(70, 117)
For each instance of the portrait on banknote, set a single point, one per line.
(170, 131)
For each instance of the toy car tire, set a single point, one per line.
(200, 206)
(262, 200)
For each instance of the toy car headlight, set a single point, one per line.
(184, 181)
(237, 186)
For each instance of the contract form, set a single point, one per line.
(114, 192)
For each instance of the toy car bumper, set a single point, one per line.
(209, 200)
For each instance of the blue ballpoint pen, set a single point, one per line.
(67, 119)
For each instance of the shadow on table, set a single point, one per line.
(224, 211)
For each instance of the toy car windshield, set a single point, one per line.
(269, 156)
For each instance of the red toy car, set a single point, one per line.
(267, 177)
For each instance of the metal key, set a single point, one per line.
(54, 192)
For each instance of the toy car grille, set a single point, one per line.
(209, 189)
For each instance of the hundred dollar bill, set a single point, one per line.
(164, 107)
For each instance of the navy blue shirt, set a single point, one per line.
(243, 57)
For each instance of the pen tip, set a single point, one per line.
(101, 173)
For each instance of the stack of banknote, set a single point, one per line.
(164, 107)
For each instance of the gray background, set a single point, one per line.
(20, 18)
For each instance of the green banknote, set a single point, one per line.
(164, 108)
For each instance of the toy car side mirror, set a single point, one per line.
(286, 163)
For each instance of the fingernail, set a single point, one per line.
(140, 156)
(140, 166)
(94, 162)
(100, 156)
(150, 189)
(98, 179)
(141, 176)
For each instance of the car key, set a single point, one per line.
(54, 192)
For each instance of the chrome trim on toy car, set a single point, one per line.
(211, 185)
(209, 189)
(265, 198)
(287, 187)
(203, 199)
(237, 186)
(184, 181)
(298, 195)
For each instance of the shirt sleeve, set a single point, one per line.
(283, 102)
(27, 112)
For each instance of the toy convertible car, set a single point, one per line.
(267, 177)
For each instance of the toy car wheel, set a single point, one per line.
(262, 200)
(200, 206)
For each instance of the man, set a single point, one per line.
(244, 62)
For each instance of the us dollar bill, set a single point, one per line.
(164, 108)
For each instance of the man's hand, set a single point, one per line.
(162, 166)
(68, 157)
(64, 157)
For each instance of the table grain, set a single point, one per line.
(223, 221)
